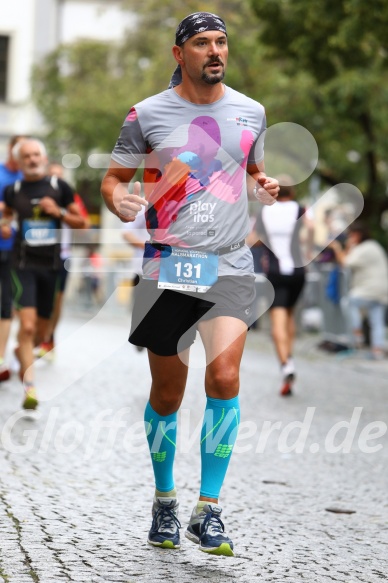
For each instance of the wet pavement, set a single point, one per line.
(305, 497)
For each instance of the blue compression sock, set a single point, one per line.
(161, 436)
(218, 436)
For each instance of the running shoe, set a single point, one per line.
(288, 372)
(207, 529)
(165, 526)
(30, 398)
(4, 373)
(45, 349)
(288, 381)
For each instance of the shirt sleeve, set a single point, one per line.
(130, 148)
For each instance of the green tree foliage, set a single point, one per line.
(333, 79)
(82, 93)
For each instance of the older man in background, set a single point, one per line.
(42, 204)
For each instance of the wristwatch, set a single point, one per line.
(63, 212)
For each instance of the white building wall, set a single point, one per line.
(17, 115)
(46, 27)
(35, 28)
(21, 33)
(93, 19)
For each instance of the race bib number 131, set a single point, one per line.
(188, 270)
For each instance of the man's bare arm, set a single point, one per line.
(114, 190)
(261, 186)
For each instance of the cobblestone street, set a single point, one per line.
(305, 497)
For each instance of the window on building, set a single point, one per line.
(4, 51)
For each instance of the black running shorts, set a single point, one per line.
(35, 288)
(287, 289)
(165, 321)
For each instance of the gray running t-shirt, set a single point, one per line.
(195, 159)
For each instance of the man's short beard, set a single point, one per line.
(213, 79)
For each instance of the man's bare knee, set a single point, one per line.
(166, 399)
(28, 329)
(223, 383)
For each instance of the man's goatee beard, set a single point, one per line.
(213, 79)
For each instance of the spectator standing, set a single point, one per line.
(368, 287)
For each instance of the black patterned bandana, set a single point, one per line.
(196, 23)
(191, 25)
